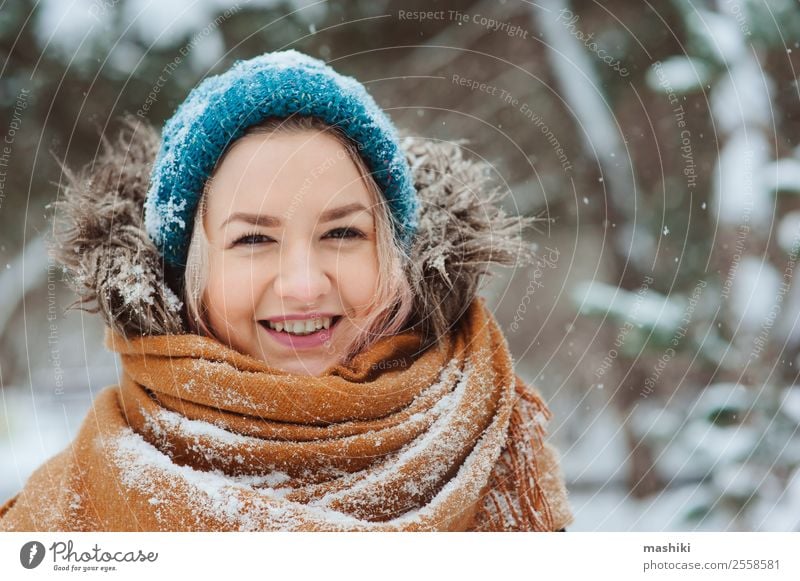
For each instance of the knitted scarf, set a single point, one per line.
(198, 436)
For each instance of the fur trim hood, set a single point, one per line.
(115, 269)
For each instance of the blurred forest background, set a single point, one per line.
(660, 139)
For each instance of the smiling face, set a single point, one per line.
(292, 250)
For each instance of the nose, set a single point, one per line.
(301, 276)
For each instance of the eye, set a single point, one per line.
(345, 233)
(254, 238)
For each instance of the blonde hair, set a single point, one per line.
(393, 301)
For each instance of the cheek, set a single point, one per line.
(358, 280)
(232, 291)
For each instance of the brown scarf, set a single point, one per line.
(201, 437)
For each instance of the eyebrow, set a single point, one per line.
(272, 221)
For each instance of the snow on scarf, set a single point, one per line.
(201, 437)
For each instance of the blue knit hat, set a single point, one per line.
(221, 108)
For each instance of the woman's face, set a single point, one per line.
(292, 244)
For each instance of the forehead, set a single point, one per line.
(306, 170)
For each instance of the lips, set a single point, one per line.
(300, 341)
(301, 327)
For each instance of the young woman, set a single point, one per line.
(329, 365)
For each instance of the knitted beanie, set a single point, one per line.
(221, 108)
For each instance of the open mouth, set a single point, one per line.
(302, 328)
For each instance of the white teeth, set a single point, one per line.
(304, 327)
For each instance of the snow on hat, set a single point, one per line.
(221, 108)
